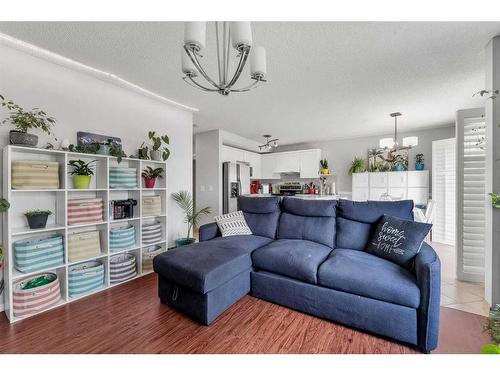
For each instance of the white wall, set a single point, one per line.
(340, 153)
(80, 101)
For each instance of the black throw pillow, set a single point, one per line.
(398, 240)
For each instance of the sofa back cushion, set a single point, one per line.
(261, 214)
(304, 219)
(356, 221)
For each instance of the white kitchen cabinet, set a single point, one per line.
(360, 194)
(379, 180)
(360, 179)
(287, 162)
(232, 154)
(309, 163)
(255, 162)
(268, 167)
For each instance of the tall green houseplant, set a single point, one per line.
(185, 201)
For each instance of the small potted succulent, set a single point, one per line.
(185, 201)
(324, 166)
(23, 121)
(159, 149)
(82, 173)
(37, 219)
(150, 175)
(419, 162)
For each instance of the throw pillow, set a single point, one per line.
(398, 240)
(232, 224)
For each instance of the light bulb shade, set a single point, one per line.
(187, 65)
(258, 61)
(410, 141)
(386, 143)
(241, 34)
(195, 33)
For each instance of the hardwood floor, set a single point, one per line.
(130, 319)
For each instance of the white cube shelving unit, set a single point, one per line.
(15, 227)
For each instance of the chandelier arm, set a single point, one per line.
(196, 84)
(247, 88)
(241, 64)
(196, 62)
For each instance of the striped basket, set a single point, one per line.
(85, 210)
(84, 245)
(148, 253)
(122, 178)
(151, 205)
(122, 267)
(151, 233)
(30, 301)
(39, 254)
(27, 174)
(85, 277)
(121, 238)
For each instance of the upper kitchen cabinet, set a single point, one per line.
(269, 162)
(255, 161)
(286, 162)
(309, 163)
(232, 154)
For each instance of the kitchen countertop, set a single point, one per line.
(301, 196)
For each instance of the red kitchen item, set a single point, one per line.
(254, 186)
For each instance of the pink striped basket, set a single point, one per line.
(85, 210)
(30, 301)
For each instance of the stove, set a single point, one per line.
(290, 188)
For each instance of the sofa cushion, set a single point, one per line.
(369, 276)
(356, 220)
(398, 240)
(232, 224)
(261, 214)
(308, 220)
(298, 259)
(204, 266)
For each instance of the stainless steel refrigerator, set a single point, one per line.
(235, 182)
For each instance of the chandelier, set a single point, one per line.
(270, 143)
(393, 143)
(239, 34)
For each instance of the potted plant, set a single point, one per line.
(324, 166)
(159, 149)
(185, 201)
(143, 152)
(25, 120)
(493, 328)
(419, 162)
(82, 173)
(150, 175)
(37, 219)
(358, 165)
(117, 151)
(104, 147)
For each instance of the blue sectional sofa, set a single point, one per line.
(308, 255)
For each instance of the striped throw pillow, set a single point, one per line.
(233, 224)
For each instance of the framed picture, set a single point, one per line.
(84, 138)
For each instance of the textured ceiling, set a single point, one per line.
(326, 80)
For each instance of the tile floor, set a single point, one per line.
(457, 294)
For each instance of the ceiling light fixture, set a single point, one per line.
(240, 34)
(392, 143)
(270, 143)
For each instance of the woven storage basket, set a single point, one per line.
(151, 205)
(151, 233)
(122, 267)
(84, 245)
(27, 174)
(30, 301)
(39, 254)
(148, 254)
(122, 178)
(85, 277)
(121, 238)
(85, 210)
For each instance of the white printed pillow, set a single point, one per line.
(233, 224)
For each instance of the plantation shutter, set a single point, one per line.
(443, 190)
(471, 197)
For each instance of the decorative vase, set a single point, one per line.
(24, 139)
(185, 241)
(149, 182)
(65, 144)
(325, 171)
(37, 221)
(82, 182)
(398, 168)
(103, 150)
(155, 155)
(419, 166)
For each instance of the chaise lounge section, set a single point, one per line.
(308, 255)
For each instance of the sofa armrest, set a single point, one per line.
(209, 231)
(428, 273)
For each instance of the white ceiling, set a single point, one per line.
(326, 80)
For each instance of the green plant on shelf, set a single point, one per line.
(37, 212)
(159, 146)
(493, 328)
(80, 168)
(149, 172)
(116, 151)
(90, 148)
(23, 120)
(358, 165)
